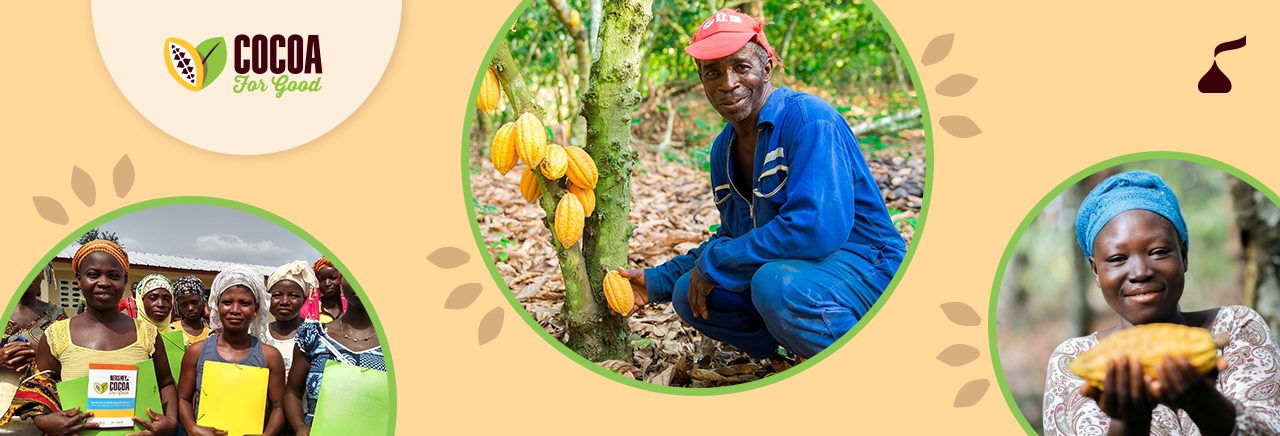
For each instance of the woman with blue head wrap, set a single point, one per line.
(1131, 229)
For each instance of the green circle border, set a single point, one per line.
(1039, 207)
(469, 115)
(243, 207)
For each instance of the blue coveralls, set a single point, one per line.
(798, 261)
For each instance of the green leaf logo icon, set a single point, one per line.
(213, 53)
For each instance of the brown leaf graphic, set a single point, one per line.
(123, 176)
(82, 185)
(971, 393)
(463, 296)
(490, 325)
(959, 126)
(956, 85)
(938, 49)
(961, 313)
(958, 354)
(51, 210)
(449, 257)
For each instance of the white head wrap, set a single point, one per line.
(247, 277)
(299, 272)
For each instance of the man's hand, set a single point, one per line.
(698, 290)
(638, 288)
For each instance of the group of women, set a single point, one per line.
(302, 317)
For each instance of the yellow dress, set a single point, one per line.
(188, 338)
(75, 359)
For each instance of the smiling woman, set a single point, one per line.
(227, 324)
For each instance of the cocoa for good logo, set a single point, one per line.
(293, 62)
(195, 68)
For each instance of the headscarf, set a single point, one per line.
(105, 246)
(187, 285)
(240, 275)
(145, 286)
(311, 307)
(1121, 193)
(298, 272)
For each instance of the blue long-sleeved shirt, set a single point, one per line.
(813, 194)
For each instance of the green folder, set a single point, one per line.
(353, 400)
(174, 348)
(75, 393)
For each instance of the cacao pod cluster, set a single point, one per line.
(525, 140)
(1149, 343)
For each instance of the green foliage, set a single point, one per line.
(502, 244)
(95, 234)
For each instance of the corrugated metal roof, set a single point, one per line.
(138, 258)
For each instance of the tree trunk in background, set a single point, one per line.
(607, 109)
(1258, 219)
(484, 131)
(1079, 314)
(580, 307)
(754, 8)
(582, 53)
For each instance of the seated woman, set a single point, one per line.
(156, 295)
(24, 330)
(1133, 233)
(350, 339)
(188, 297)
(100, 335)
(240, 317)
(288, 289)
(326, 302)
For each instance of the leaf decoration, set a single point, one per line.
(213, 52)
(123, 176)
(956, 85)
(971, 393)
(51, 210)
(959, 126)
(938, 49)
(463, 296)
(490, 325)
(958, 355)
(82, 185)
(449, 257)
(961, 314)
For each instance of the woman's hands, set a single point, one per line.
(16, 355)
(160, 425)
(1124, 396)
(1180, 386)
(65, 422)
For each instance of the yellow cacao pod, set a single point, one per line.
(532, 144)
(585, 196)
(568, 220)
(503, 149)
(617, 291)
(582, 169)
(1149, 343)
(490, 92)
(556, 163)
(529, 186)
(574, 18)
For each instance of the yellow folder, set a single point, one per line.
(233, 398)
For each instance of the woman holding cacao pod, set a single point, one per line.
(1155, 371)
(102, 334)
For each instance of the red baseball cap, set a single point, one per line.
(725, 33)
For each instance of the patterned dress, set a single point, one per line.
(1250, 382)
(314, 341)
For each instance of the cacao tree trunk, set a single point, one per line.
(607, 109)
(484, 131)
(1258, 220)
(580, 308)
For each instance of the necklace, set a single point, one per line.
(343, 329)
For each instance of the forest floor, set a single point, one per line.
(673, 212)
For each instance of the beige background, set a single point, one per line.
(1060, 88)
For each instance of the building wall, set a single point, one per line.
(67, 292)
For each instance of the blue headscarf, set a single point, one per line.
(1121, 193)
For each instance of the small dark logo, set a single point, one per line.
(1214, 81)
